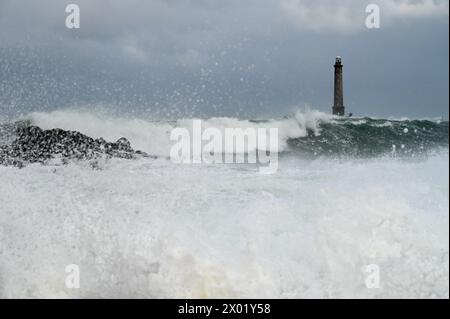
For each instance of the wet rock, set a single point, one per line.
(32, 145)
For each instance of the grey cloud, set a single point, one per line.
(211, 58)
(349, 15)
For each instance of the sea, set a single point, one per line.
(358, 208)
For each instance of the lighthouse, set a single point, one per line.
(338, 107)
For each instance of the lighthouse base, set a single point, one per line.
(339, 110)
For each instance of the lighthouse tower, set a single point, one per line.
(338, 107)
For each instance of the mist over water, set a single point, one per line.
(343, 198)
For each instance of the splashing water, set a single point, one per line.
(152, 228)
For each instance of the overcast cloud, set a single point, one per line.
(247, 58)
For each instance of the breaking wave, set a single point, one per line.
(310, 133)
(150, 228)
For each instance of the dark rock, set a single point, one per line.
(32, 145)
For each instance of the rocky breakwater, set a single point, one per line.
(34, 145)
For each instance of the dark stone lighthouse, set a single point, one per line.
(338, 107)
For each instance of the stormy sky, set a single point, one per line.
(243, 58)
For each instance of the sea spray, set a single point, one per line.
(153, 228)
(309, 133)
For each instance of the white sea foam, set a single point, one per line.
(154, 137)
(151, 228)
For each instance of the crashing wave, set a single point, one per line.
(307, 134)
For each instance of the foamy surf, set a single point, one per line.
(151, 228)
(308, 133)
(154, 136)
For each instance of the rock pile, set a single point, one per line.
(32, 145)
